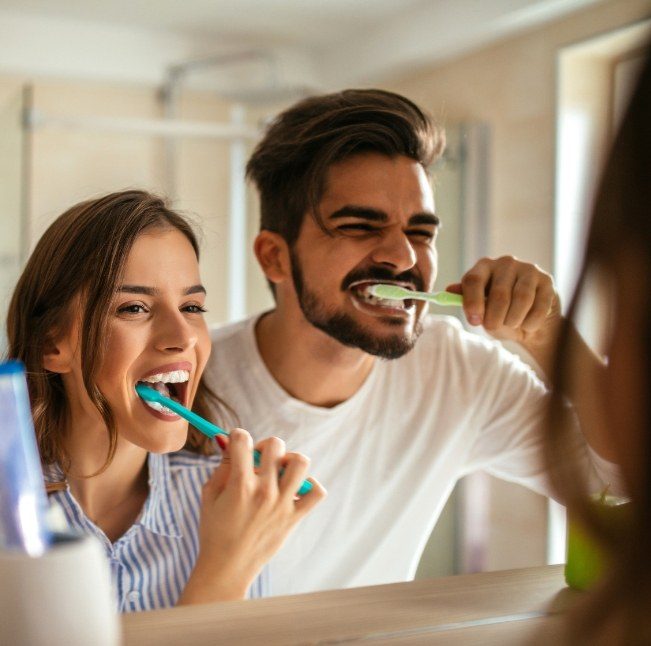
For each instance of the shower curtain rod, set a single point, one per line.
(149, 127)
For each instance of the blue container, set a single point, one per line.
(23, 501)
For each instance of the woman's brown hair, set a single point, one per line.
(82, 256)
(620, 227)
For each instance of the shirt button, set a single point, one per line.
(133, 596)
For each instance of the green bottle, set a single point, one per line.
(586, 560)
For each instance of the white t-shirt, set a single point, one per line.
(390, 455)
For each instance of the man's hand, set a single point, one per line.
(514, 301)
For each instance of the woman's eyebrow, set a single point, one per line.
(153, 291)
(138, 289)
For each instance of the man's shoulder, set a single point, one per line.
(444, 337)
(229, 331)
(440, 332)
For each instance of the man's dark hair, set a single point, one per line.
(290, 164)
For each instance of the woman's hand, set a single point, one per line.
(246, 516)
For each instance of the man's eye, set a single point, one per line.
(421, 233)
(360, 226)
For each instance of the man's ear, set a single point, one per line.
(58, 355)
(272, 252)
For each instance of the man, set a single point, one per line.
(345, 204)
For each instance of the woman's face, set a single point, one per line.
(156, 334)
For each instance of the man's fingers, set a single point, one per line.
(522, 299)
(541, 308)
(474, 283)
(507, 293)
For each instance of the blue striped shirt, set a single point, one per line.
(152, 561)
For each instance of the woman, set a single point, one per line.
(617, 265)
(111, 296)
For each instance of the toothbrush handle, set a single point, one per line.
(306, 485)
(210, 430)
(201, 424)
(446, 298)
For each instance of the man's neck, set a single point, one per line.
(310, 365)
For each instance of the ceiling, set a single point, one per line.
(340, 41)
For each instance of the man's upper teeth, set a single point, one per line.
(174, 377)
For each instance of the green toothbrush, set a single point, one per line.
(201, 424)
(396, 293)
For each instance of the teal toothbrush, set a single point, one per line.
(396, 293)
(201, 424)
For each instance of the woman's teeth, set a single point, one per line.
(160, 408)
(159, 382)
(174, 377)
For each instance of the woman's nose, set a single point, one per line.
(173, 333)
(396, 251)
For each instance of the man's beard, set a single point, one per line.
(343, 327)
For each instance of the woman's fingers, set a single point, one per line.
(240, 452)
(217, 481)
(279, 475)
(272, 453)
(294, 472)
(307, 502)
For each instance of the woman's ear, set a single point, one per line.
(272, 253)
(58, 355)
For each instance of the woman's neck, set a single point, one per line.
(114, 497)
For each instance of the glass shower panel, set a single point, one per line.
(11, 191)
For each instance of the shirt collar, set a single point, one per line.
(52, 473)
(160, 513)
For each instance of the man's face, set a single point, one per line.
(379, 213)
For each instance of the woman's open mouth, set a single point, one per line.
(376, 306)
(173, 384)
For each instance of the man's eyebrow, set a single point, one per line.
(152, 291)
(376, 215)
(425, 218)
(363, 212)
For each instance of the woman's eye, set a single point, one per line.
(195, 309)
(134, 308)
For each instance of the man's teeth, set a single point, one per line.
(380, 302)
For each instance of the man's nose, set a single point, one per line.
(174, 333)
(396, 251)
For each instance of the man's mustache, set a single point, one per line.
(382, 274)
